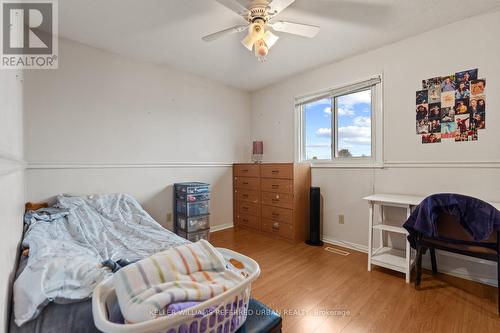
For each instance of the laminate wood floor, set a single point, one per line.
(318, 291)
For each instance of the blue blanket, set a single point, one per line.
(69, 242)
(49, 214)
(477, 217)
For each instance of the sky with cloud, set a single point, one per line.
(354, 130)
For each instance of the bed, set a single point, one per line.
(77, 237)
(74, 317)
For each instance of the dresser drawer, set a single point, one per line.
(244, 207)
(282, 171)
(246, 170)
(246, 195)
(277, 214)
(277, 228)
(247, 183)
(247, 220)
(284, 200)
(277, 185)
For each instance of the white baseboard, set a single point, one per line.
(220, 227)
(464, 267)
(463, 273)
(450, 263)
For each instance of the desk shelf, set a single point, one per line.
(390, 228)
(390, 258)
(386, 256)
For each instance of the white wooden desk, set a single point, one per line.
(384, 256)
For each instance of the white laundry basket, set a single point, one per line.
(224, 313)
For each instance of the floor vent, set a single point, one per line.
(336, 251)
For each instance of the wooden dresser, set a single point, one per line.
(272, 198)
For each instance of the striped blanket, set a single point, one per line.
(192, 272)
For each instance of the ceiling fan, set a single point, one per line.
(259, 15)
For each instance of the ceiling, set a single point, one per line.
(170, 31)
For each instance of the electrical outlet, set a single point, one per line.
(341, 219)
(169, 217)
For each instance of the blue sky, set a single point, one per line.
(354, 125)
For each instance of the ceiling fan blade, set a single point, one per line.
(304, 30)
(235, 6)
(277, 6)
(225, 32)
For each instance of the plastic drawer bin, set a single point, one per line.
(191, 188)
(192, 209)
(194, 236)
(193, 197)
(226, 312)
(190, 224)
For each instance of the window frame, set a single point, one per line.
(375, 160)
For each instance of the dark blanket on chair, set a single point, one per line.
(477, 217)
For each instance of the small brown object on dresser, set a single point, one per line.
(272, 198)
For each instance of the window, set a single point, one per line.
(340, 124)
(318, 129)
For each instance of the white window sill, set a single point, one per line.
(346, 165)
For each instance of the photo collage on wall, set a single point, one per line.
(451, 108)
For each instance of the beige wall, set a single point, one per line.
(403, 66)
(141, 126)
(11, 182)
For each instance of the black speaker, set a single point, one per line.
(315, 217)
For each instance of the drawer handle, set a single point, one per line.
(275, 214)
(245, 208)
(245, 183)
(275, 171)
(274, 186)
(245, 220)
(244, 196)
(244, 170)
(276, 226)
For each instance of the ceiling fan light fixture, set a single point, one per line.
(255, 32)
(248, 42)
(261, 50)
(270, 39)
(259, 16)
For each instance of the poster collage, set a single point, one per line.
(451, 108)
